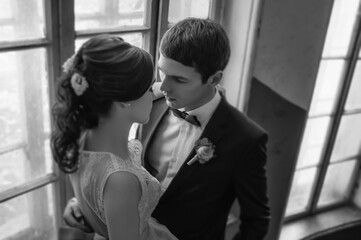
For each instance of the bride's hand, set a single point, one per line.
(73, 216)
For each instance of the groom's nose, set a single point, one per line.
(165, 85)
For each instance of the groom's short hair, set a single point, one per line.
(199, 43)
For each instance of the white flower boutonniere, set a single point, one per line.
(204, 151)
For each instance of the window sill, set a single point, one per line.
(305, 227)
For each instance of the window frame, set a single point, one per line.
(351, 58)
(50, 43)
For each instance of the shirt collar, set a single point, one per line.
(205, 112)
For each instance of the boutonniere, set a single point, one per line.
(204, 151)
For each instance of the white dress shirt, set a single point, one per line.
(174, 140)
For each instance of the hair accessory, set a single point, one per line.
(70, 63)
(78, 83)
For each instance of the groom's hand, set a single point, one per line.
(73, 216)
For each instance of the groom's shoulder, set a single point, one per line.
(238, 121)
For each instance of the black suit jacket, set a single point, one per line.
(196, 204)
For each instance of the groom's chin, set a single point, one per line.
(172, 104)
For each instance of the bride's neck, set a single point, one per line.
(109, 136)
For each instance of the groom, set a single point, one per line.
(207, 154)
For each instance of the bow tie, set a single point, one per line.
(189, 118)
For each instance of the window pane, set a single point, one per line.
(327, 85)
(99, 14)
(11, 114)
(180, 9)
(337, 183)
(313, 142)
(354, 96)
(17, 167)
(29, 216)
(135, 39)
(24, 117)
(21, 19)
(302, 185)
(348, 140)
(341, 27)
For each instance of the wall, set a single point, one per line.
(288, 52)
(286, 59)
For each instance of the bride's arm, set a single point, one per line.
(121, 197)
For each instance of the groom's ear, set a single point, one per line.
(215, 78)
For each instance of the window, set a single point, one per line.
(32, 49)
(27, 173)
(330, 153)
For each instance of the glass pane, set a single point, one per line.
(354, 96)
(11, 115)
(341, 27)
(348, 140)
(180, 9)
(302, 185)
(337, 182)
(17, 167)
(24, 101)
(29, 216)
(21, 20)
(100, 14)
(24, 117)
(313, 142)
(327, 86)
(135, 39)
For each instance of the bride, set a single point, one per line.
(105, 88)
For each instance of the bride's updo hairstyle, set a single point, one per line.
(104, 70)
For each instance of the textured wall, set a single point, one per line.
(288, 52)
(290, 46)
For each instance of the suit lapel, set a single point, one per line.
(213, 131)
(160, 107)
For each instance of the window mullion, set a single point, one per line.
(162, 23)
(342, 97)
(62, 34)
(216, 10)
(27, 187)
(54, 60)
(67, 29)
(150, 37)
(122, 30)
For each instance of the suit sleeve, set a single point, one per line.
(250, 185)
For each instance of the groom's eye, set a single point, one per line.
(179, 80)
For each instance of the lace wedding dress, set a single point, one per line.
(89, 182)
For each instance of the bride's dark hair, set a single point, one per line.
(115, 71)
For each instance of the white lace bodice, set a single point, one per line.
(95, 168)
